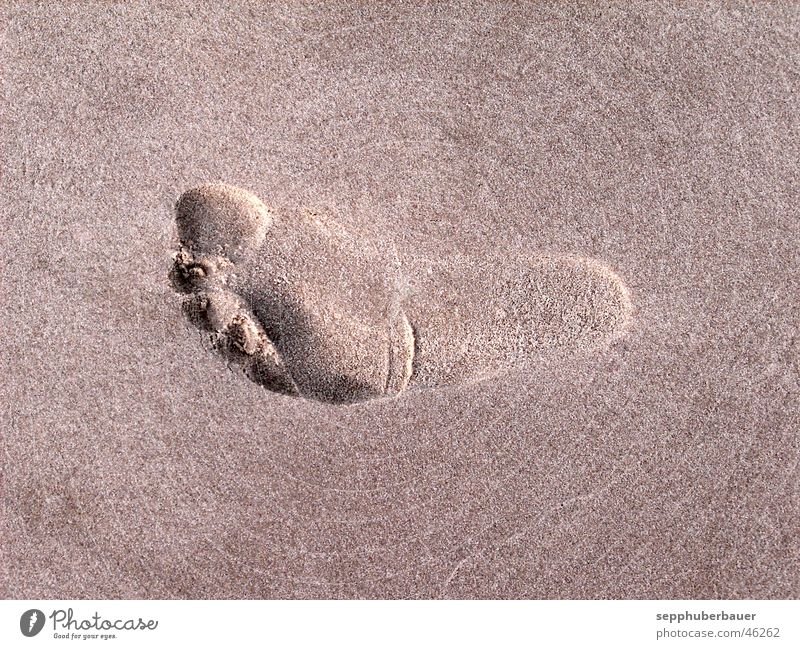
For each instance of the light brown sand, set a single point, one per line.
(307, 308)
(660, 140)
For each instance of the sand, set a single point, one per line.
(311, 309)
(467, 169)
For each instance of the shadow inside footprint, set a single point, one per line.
(308, 308)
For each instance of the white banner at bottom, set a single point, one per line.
(377, 624)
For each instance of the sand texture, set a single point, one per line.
(369, 300)
(310, 309)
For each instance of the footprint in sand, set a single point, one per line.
(308, 308)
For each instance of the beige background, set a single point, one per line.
(660, 138)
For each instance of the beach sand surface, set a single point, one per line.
(660, 139)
